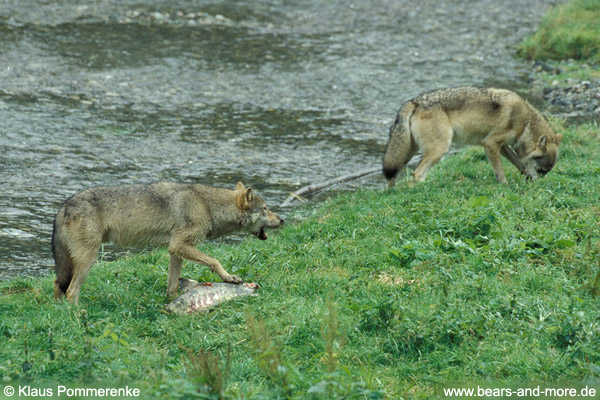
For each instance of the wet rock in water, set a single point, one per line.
(202, 296)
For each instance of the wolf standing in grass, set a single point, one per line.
(171, 214)
(498, 119)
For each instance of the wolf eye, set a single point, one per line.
(264, 208)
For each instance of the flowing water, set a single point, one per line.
(277, 94)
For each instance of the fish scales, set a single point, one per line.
(201, 296)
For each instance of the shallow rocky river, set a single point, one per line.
(276, 94)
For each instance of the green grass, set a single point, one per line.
(377, 294)
(569, 71)
(569, 30)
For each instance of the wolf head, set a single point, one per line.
(256, 214)
(539, 159)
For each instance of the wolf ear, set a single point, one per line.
(541, 144)
(559, 138)
(239, 186)
(244, 199)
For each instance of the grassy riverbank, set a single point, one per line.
(568, 39)
(377, 294)
(569, 30)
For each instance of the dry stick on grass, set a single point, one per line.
(316, 187)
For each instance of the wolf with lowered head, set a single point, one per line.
(497, 119)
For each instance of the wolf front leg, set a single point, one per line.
(189, 252)
(492, 150)
(511, 156)
(433, 134)
(174, 275)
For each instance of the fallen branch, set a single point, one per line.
(317, 187)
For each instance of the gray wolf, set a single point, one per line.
(162, 214)
(497, 119)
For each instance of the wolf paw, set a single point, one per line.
(233, 279)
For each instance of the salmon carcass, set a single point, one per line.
(201, 296)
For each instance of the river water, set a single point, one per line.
(277, 94)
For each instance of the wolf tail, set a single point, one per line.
(63, 264)
(401, 146)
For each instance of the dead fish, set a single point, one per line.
(201, 296)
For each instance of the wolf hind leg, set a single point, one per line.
(82, 263)
(429, 160)
(434, 136)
